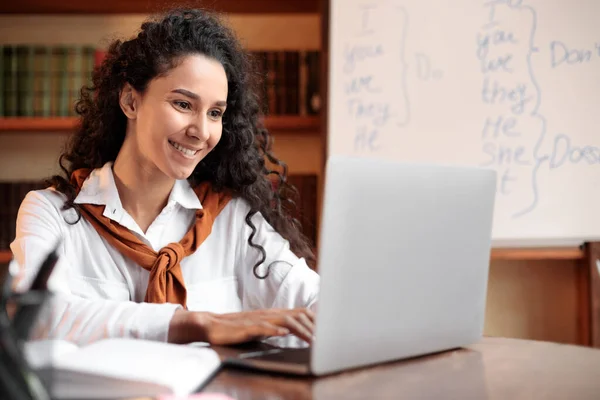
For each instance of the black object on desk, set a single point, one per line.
(17, 380)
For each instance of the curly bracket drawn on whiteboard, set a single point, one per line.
(404, 67)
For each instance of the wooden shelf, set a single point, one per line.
(545, 253)
(275, 124)
(20, 124)
(293, 123)
(567, 253)
(147, 6)
(5, 256)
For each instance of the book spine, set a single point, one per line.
(271, 81)
(2, 83)
(265, 81)
(76, 73)
(21, 73)
(293, 82)
(10, 81)
(55, 80)
(46, 78)
(302, 83)
(63, 97)
(280, 83)
(38, 81)
(287, 83)
(29, 94)
(88, 65)
(313, 96)
(4, 215)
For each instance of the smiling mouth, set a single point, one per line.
(189, 153)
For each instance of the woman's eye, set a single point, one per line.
(184, 105)
(215, 114)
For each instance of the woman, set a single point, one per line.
(170, 227)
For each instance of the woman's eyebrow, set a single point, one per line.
(192, 95)
(187, 93)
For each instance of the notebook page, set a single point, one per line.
(180, 368)
(44, 353)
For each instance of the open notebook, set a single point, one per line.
(119, 368)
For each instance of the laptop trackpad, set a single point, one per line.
(296, 361)
(295, 356)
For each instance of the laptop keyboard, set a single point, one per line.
(294, 356)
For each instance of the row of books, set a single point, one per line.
(290, 81)
(45, 81)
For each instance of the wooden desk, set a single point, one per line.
(496, 368)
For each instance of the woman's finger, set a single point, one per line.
(261, 330)
(306, 321)
(227, 332)
(311, 314)
(308, 313)
(277, 330)
(296, 328)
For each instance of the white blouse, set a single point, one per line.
(99, 293)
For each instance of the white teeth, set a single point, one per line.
(182, 149)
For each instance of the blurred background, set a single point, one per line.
(50, 47)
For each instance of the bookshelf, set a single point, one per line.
(276, 123)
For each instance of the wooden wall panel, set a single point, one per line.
(534, 300)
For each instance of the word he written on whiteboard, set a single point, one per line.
(365, 98)
(561, 54)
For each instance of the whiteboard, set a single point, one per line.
(506, 84)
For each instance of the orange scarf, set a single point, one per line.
(166, 284)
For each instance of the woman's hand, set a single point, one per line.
(240, 327)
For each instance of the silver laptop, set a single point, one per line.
(403, 256)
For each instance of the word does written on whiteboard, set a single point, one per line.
(506, 84)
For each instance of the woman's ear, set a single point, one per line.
(128, 101)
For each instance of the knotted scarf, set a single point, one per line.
(166, 284)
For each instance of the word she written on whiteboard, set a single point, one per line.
(493, 83)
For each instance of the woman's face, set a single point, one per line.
(178, 120)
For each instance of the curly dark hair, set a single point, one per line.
(239, 161)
